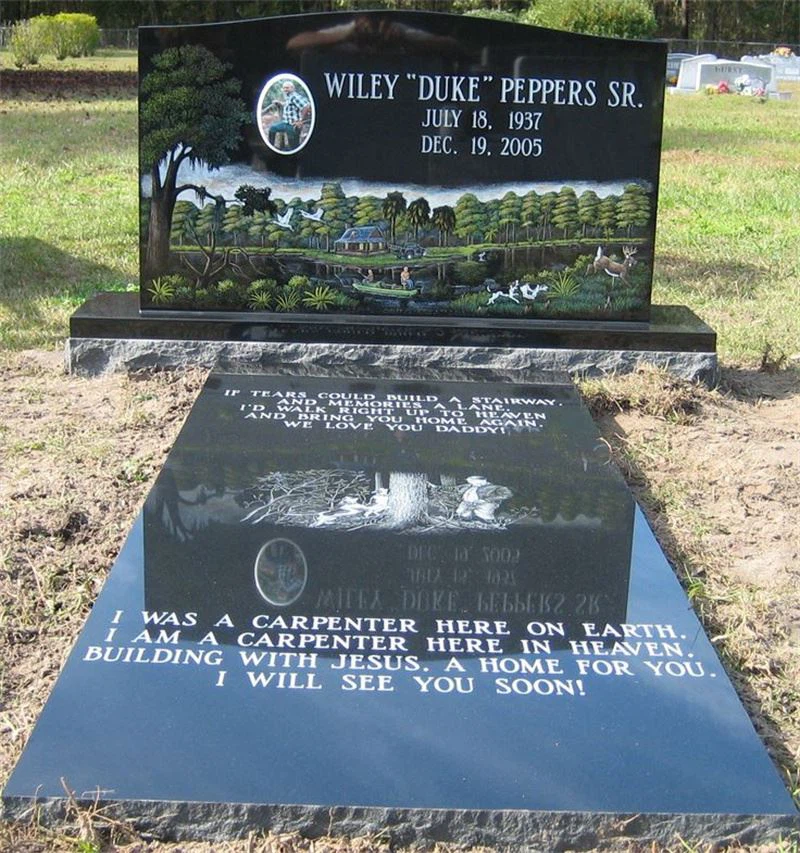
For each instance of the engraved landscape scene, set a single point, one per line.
(222, 237)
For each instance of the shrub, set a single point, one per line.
(265, 285)
(288, 300)
(26, 44)
(621, 18)
(469, 303)
(260, 300)
(563, 286)
(581, 264)
(87, 33)
(298, 282)
(231, 293)
(204, 298)
(470, 273)
(322, 298)
(492, 15)
(62, 35)
(166, 288)
(344, 302)
(161, 290)
(184, 296)
(74, 34)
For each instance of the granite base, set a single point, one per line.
(109, 333)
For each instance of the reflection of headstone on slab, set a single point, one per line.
(408, 667)
(397, 180)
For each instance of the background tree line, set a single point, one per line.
(512, 219)
(702, 20)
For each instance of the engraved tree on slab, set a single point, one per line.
(394, 206)
(412, 502)
(408, 499)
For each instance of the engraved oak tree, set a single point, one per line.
(190, 110)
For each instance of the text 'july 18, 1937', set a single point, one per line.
(497, 115)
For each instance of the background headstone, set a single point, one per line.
(785, 67)
(697, 74)
(674, 61)
(689, 71)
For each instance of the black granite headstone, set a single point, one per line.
(398, 163)
(424, 607)
(392, 179)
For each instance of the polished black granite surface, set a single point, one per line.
(426, 165)
(117, 315)
(413, 595)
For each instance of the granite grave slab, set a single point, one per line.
(427, 608)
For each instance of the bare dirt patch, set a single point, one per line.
(718, 473)
(67, 84)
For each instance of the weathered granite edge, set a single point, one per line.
(95, 356)
(510, 829)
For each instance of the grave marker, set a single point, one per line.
(787, 67)
(396, 178)
(429, 188)
(674, 61)
(425, 608)
(696, 74)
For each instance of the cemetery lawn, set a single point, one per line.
(69, 215)
(728, 237)
(716, 471)
(105, 59)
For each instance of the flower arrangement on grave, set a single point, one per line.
(743, 85)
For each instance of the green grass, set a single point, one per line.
(728, 241)
(68, 222)
(106, 59)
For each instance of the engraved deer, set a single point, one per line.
(613, 268)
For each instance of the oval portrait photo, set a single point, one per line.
(281, 572)
(285, 113)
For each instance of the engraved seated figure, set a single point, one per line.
(481, 499)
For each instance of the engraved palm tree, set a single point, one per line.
(444, 218)
(394, 206)
(419, 212)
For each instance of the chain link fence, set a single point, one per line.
(128, 39)
(727, 49)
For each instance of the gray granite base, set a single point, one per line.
(507, 829)
(94, 356)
